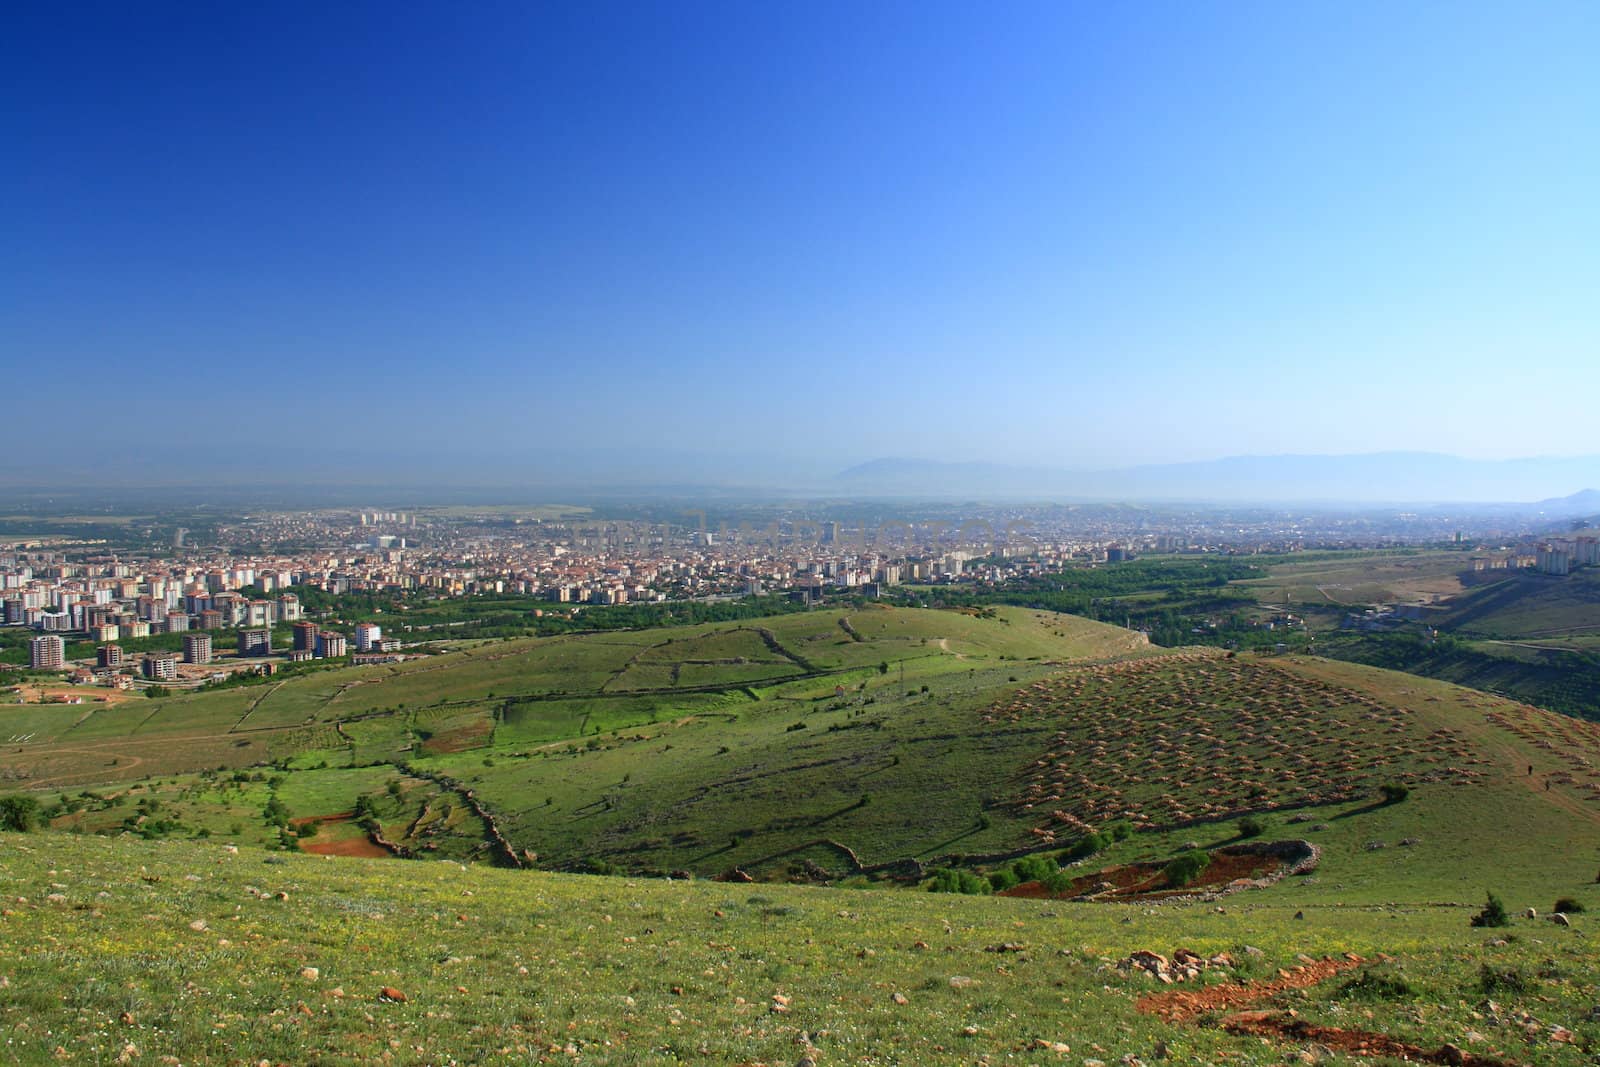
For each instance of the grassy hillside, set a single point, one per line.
(130, 951)
(1358, 578)
(1526, 604)
(882, 742)
(552, 735)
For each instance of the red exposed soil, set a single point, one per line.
(473, 735)
(361, 847)
(1249, 865)
(1355, 1042)
(1185, 1006)
(1144, 881)
(1182, 1005)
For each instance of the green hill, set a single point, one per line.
(126, 951)
(1527, 604)
(877, 744)
(557, 739)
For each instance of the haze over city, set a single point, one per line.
(741, 246)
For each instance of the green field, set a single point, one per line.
(866, 750)
(1528, 605)
(130, 951)
(503, 716)
(1360, 578)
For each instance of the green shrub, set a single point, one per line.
(1393, 792)
(1059, 882)
(1493, 914)
(1003, 879)
(1085, 847)
(1185, 868)
(19, 814)
(1568, 906)
(1378, 985)
(1250, 826)
(1034, 868)
(1492, 980)
(275, 813)
(965, 882)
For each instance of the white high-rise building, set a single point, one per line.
(47, 653)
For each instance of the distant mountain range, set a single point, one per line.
(1556, 488)
(1553, 485)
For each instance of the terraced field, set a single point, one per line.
(1202, 738)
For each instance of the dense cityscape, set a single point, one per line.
(233, 598)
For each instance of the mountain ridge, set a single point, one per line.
(1538, 483)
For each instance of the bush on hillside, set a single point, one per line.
(1393, 792)
(1059, 882)
(1492, 980)
(1034, 868)
(1250, 826)
(950, 881)
(19, 814)
(1378, 985)
(1185, 869)
(1087, 847)
(1493, 914)
(1568, 906)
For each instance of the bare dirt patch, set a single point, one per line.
(334, 837)
(89, 694)
(1196, 1005)
(1185, 1005)
(1233, 867)
(473, 735)
(1356, 1042)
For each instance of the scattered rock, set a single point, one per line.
(1560, 919)
(961, 981)
(1184, 965)
(900, 999)
(198, 925)
(389, 994)
(310, 974)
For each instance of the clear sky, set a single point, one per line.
(800, 235)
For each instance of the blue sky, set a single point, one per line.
(761, 239)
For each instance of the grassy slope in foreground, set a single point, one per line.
(122, 950)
